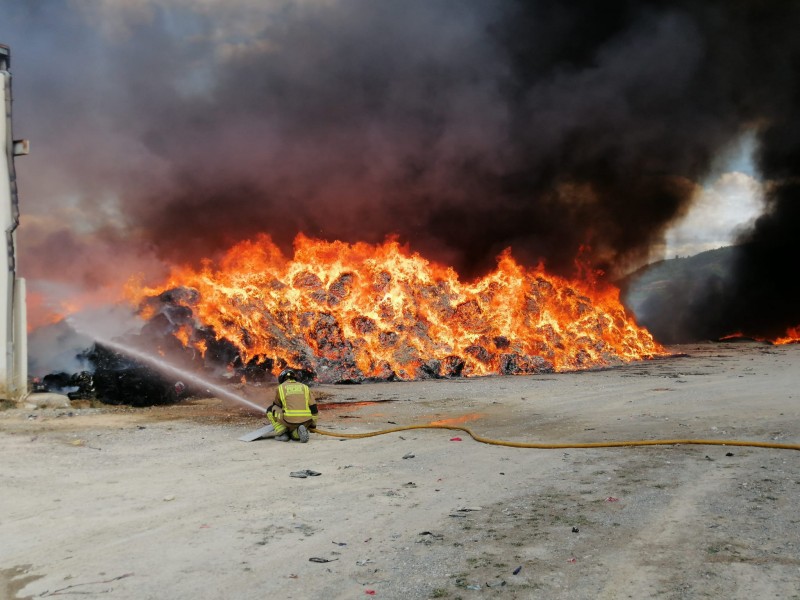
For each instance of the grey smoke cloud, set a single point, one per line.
(176, 129)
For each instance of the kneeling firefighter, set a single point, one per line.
(294, 410)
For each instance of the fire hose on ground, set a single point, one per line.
(561, 446)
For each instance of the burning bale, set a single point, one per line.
(515, 364)
(348, 313)
(340, 313)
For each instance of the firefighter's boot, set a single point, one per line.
(302, 434)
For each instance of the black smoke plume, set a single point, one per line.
(464, 127)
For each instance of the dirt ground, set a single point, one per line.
(118, 503)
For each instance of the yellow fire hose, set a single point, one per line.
(547, 446)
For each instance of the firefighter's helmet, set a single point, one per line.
(287, 374)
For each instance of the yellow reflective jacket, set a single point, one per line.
(296, 401)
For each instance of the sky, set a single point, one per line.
(727, 202)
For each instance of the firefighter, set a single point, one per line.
(294, 410)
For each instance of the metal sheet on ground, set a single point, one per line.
(267, 431)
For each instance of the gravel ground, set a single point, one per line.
(160, 503)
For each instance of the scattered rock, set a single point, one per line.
(437, 536)
(304, 473)
(48, 400)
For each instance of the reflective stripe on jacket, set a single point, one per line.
(295, 399)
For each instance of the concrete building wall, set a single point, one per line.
(13, 334)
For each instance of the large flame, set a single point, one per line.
(792, 337)
(381, 311)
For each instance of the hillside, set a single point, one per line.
(671, 297)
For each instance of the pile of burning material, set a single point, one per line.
(347, 313)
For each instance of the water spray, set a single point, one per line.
(159, 364)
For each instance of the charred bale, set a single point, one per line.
(470, 315)
(430, 369)
(119, 379)
(501, 342)
(56, 382)
(305, 375)
(328, 339)
(479, 353)
(180, 295)
(84, 381)
(340, 289)
(452, 366)
(521, 364)
(135, 386)
(219, 352)
(388, 339)
(258, 369)
(363, 325)
(158, 327)
(335, 371)
(382, 372)
(307, 280)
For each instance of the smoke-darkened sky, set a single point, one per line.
(164, 132)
